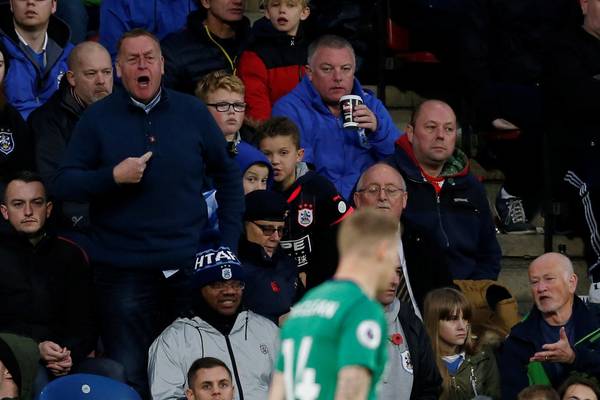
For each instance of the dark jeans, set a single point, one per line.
(134, 306)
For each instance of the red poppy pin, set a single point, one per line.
(275, 287)
(396, 339)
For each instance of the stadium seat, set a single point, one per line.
(87, 387)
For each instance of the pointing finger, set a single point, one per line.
(146, 157)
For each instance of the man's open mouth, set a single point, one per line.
(143, 80)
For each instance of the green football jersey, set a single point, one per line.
(334, 326)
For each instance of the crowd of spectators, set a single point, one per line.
(174, 181)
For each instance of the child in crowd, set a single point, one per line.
(223, 94)
(273, 63)
(466, 370)
(316, 208)
(538, 392)
(255, 168)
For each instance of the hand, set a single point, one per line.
(60, 368)
(503, 125)
(131, 170)
(560, 351)
(365, 117)
(52, 352)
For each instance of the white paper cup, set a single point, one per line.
(347, 105)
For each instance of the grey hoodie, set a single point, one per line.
(250, 352)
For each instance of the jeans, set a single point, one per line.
(134, 306)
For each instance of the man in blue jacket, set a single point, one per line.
(340, 154)
(141, 157)
(38, 46)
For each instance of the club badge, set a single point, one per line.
(305, 215)
(7, 144)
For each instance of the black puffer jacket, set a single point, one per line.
(190, 54)
(16, 148)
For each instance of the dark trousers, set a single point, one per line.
(134, 306)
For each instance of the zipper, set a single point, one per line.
(234, 368)
(439, 213)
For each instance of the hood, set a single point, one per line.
(58, 30)
(249, 155)
(457, 165)
(20, 355)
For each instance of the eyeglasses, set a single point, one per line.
(269, 230)
(220, 285)
(391, 191)
(225, 107)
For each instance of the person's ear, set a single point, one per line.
(4, 211)
(410, 131)
(70, 78)
(299, 155)
(304, 13)
(49, 206)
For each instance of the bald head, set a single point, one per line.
(392, 198)
(90, 72)
(553, 284)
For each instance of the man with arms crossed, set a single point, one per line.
(333, 343)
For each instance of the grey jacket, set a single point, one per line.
(250, 352)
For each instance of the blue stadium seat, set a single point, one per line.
(87, 387)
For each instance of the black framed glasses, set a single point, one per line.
(268, 230)
(220, 285)
(225, 107)
(391, 191)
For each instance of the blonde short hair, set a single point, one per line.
(364, 230)
(216, 80)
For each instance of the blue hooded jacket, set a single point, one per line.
(338, 154)
(27, 87)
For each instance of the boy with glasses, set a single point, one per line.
(316, 207)
(219, 327)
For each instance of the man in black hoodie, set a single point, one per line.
(212, 40)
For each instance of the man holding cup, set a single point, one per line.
(340, 146)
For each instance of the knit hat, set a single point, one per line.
(265, 205)
(20, 355)
(215, 265)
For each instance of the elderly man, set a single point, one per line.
(339, 154)
(89, 79)
(219, 327)
(141, 157)
(211, 41)
(421, 259)
(558, 336)
(38, 46)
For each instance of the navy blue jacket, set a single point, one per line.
(271, 282)
(156, 223)
(525, 339)
(459, 219)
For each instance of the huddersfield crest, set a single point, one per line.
(305, 215)
(7, 144)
